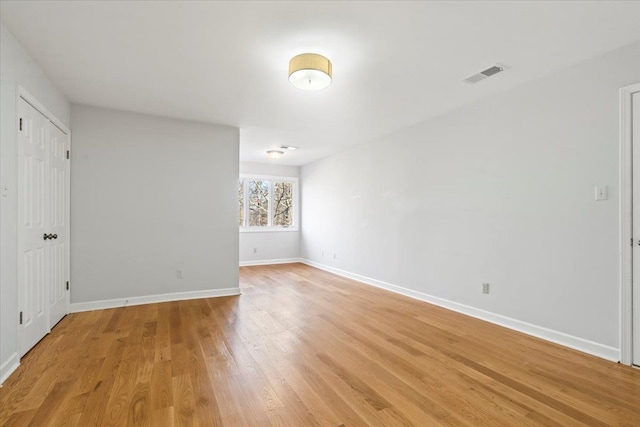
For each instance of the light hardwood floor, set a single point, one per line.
(302, 347)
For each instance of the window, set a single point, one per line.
(267, 203)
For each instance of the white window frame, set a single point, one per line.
(271, 228)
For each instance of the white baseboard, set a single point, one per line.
(148, 299)
(269, 261)
(576, 343)
(8, 366)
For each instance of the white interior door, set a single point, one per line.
(58, 251)
(635, 131)
(32, 223)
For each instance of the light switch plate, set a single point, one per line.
(601, 193)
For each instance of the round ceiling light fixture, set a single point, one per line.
(274, 154)
(310, 71)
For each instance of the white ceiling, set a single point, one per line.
(394, 63)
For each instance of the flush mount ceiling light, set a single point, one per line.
(274, 154)
(289, 147)
(310, 71)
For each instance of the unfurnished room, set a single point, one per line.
(319, 213)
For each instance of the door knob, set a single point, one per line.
(46, 236)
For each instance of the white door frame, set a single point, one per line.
(626, 216)
(22, 93)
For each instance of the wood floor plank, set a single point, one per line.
(51, 404)
(303, 347)
(162, 417)
(184, 405)
(19, 419)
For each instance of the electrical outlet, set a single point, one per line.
(255, 250)
(179, 274)
(485, 288)
(322, 253)
(334, 256)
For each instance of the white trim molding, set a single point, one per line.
(24, 94)
(576, 343)
(271, 229)
(149, 299)
(8, 367)
(269, 262)
(626, 230)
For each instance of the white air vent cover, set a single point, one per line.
(491, 71)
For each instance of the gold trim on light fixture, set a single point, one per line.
(275, 154)
(310, 71)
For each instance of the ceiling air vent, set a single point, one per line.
(491, 71)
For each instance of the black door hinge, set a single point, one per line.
(21, 318)
(67, 154)
(20, 123)
(67, 285)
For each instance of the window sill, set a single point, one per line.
(268, 229)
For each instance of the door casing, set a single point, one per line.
(627, 239)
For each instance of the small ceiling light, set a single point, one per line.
(289, 147)
(274, 154)
(310, 71)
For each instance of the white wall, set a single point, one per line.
(269, 245)
(151, 195)
(16, 68)
(273, 169)
(500, 191)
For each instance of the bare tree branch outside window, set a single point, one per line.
(282, 204)
(258, 203)
(241, 202)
